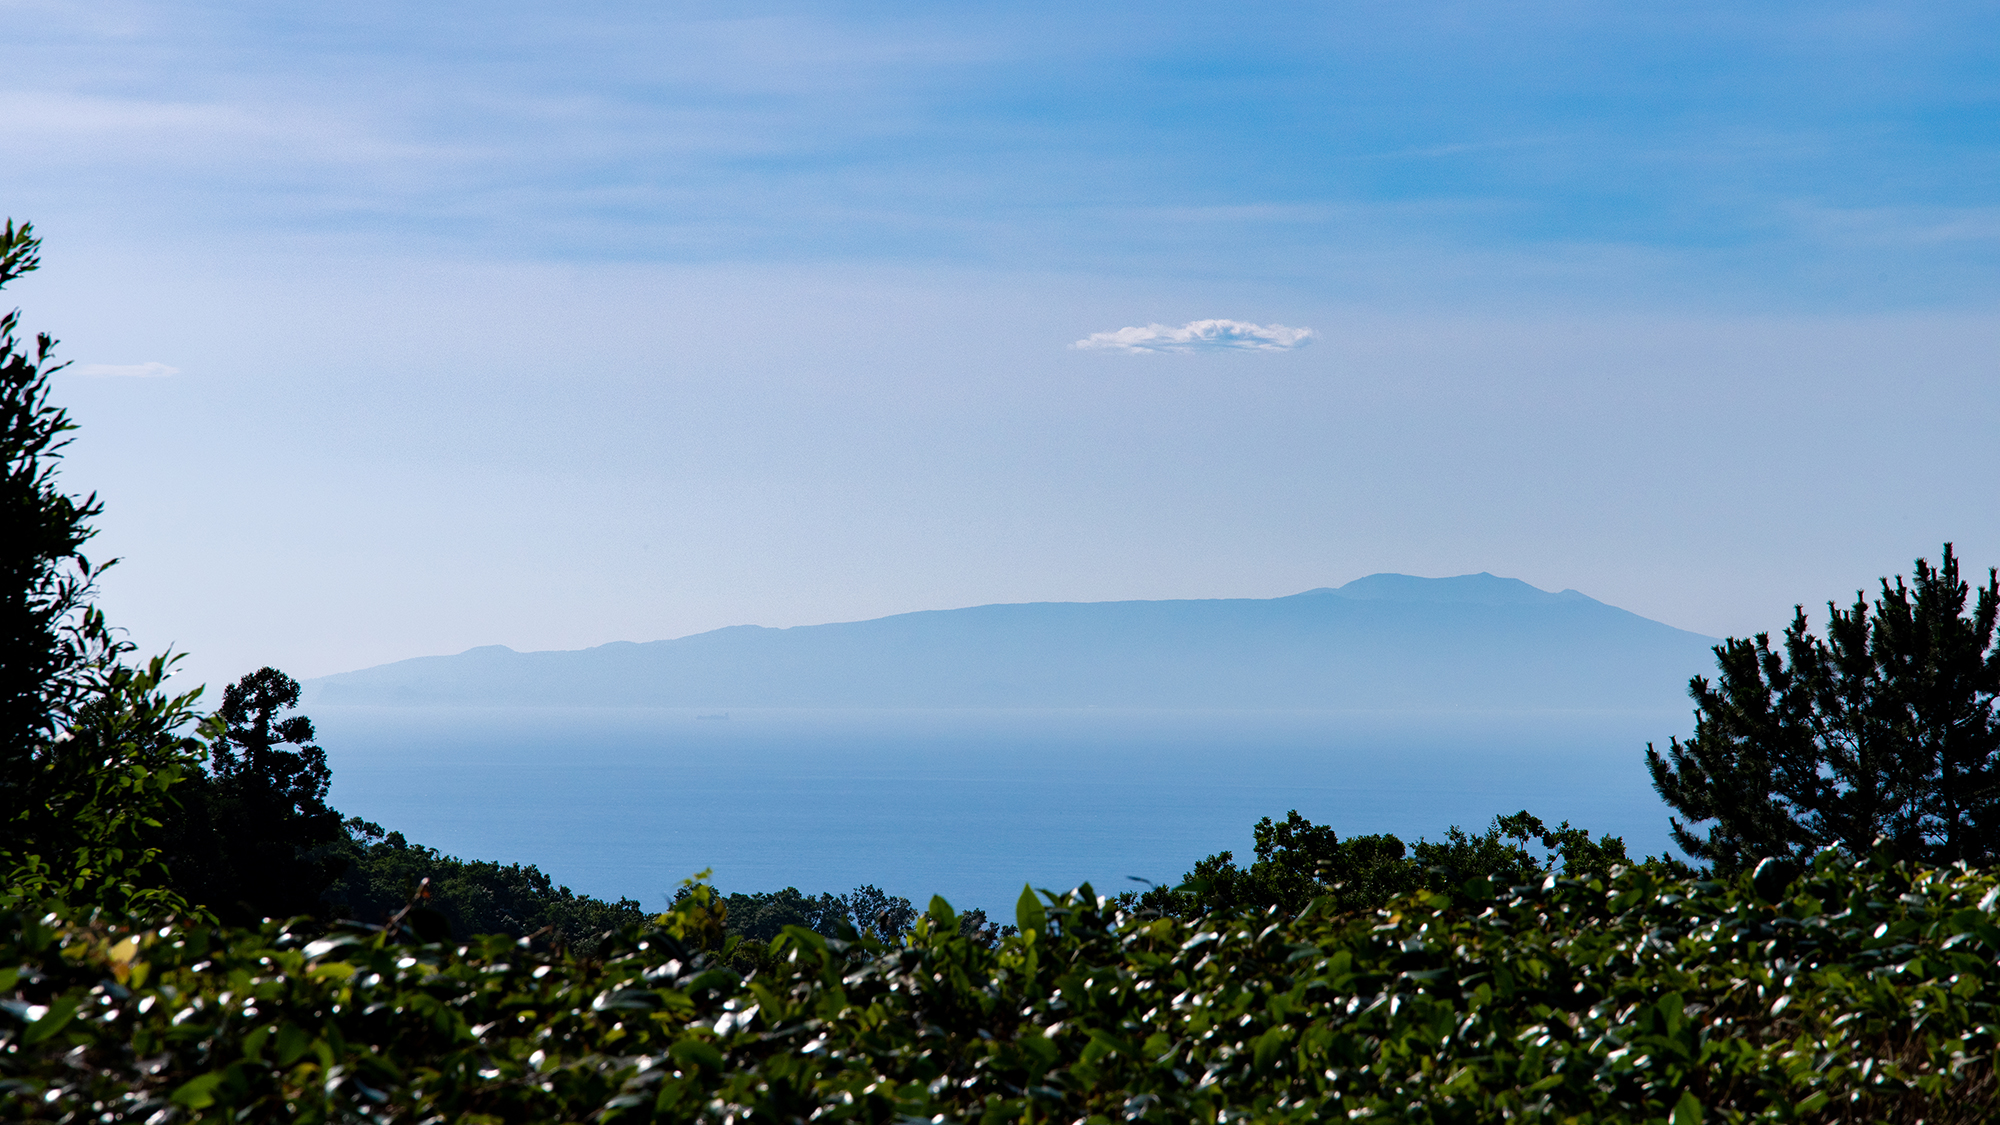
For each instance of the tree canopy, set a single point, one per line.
(1881, 734)
(253, 837)
(1299, 864)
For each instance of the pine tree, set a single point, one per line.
(1880, 736)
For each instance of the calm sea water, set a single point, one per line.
(967, 804)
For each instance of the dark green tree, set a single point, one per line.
(89, 747)
(254, 837)
(1298, 863)
(761, 916)
(51, 643)
(1881, 735)
(383, 872)
(252, 754)
(866, 909)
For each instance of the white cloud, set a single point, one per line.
(154, 370)
(1200, 336)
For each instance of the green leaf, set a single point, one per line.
(199, 1093)
(1039, 1048)
(1100, 1045)
(292, 1043)
(1028, 912)
(1687, 1111)
(1673, 1013)
(1270, 1045)
(696, 1052)
(942, 913)
(318, 949)
(55, 1019)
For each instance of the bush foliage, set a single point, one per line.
(1855, 993)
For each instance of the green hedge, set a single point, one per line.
(1863, 993)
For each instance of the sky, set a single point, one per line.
(401, 329)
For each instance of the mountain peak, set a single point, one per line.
(1473, 589)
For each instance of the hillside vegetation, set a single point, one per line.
(1853, 994)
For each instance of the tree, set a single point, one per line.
(51, 641)
(89, 747)
(251, 756)
(255, 837)
(1880, 736)
(470, 896)
(44, 578)
(1299, 862)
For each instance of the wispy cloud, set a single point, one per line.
(1200, 336)
(1900, 226)
(154, 370)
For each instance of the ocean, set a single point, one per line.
(967, 804)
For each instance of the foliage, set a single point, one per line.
(252, 750)
(87, 829)
(1857, 993)
(1299, 862)
(89, 747)
(764, 915)
(741, 927)
(1881, 734)
(866, 909)
(382, 872)
(253, 837)
(747, 926)
(52, 646)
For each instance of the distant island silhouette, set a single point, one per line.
(1387, 641)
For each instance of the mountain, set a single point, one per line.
(1387, 641)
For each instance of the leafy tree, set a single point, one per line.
(251, 752)
(255, 837)
(872, 910)
(1882, 734)
(89, 747)
(743, 928)
(763, 915)
(1299, 862)
(91, 803)
(383, 871)
(51, 642)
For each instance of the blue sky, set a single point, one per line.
(549, 326)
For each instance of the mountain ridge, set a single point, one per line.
(1383, 640)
